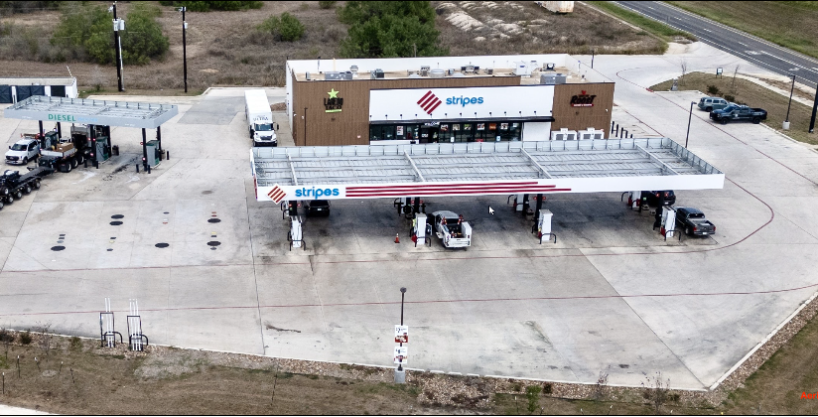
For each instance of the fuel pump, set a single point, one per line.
(295, 235)
(635, 200)
(543, 226)
(421, 230)
(668, 222)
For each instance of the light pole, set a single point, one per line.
(400, 374)
(184, 42)
(786, 125)
(689, 118)
(814, 111)
(118, 25)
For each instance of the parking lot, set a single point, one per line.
(610, 297)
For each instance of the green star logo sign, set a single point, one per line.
(333, 104)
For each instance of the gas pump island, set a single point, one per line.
(290, 175)
(89, 137)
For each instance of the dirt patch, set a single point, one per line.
(502, 28)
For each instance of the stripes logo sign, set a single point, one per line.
(277, 194)
(429, 102)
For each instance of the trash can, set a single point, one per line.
(115, 150)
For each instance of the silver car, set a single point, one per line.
(709, 104)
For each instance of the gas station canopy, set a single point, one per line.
(478, 168)
(96, 112)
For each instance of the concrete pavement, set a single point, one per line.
(611, 297)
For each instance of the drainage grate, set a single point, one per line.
(116, 223)
(118, 216)
(214, 243)
(59, 248)
(162, 245)
(213, 220)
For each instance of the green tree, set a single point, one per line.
(390, 29)
(286, 27)
(326, 4)
(88, 31)
(532, 393)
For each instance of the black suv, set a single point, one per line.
(317, 208)
(658, 198)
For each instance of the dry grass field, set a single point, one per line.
(223, 48)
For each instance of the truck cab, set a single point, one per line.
(23, 151)
(263, 133)
(451, 229)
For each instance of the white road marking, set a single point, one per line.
(753, 52)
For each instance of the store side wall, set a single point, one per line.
(581, 118)
(350, 125)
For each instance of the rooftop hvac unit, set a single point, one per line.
(591, 133)
(308, 75)
(561, 79)
(378, 73)
(337, 75)
(489, 71)
(548, 78)
(550, 66)
(415, 76)
(449, 71)
(564, 134)
(458, 74)
(424, 71)
(437, 73)
(522, 68)
(353, 69)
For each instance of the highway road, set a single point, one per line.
(756, 50)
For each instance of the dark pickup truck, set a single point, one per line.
(693, 222)
(735, 112)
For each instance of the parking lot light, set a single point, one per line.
(689, 118)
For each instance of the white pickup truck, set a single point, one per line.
(451, 229)
(23, 151)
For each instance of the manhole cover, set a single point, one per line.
(116, 223)
(214, 243)
(213, 220)
(118, 216)
(110, 250)
(162, 245)
(59, 248)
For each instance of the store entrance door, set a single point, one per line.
(429, 134)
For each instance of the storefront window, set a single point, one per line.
(434, 132)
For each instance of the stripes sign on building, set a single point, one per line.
(277, 194)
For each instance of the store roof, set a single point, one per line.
(98, 112)
(38, 81)
(623, 164)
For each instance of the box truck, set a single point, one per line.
(259, 118)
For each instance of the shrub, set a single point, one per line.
(712, 90)
(25, 337)
(390, 29)
(286, 27)
(547, 388)
(730, 97)
(206, 6)
(87, 32)
(532, 393)
(326, 4)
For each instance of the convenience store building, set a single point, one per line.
(445, 99)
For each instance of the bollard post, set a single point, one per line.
(96, 163)
(149, 169)
(86, 163)
(167, 155)
(137, 168)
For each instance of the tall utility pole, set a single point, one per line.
(184, 42)
(814, 111)
(786, 125)
(118, 48)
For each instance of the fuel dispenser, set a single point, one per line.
(543, 226)
(635, 200)
(295, 235)
(153, 153)
(421, 230)
(103, 151)
(668, 228)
